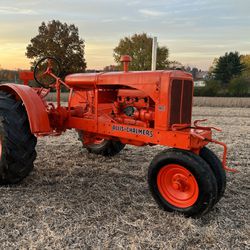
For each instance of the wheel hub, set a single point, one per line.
(177, 185)
(180, 182)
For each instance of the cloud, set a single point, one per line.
(108, 20)
(230, 17)
(136, 2)
(152, 13)
(198, 27)
(16, 11)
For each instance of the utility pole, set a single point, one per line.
(154, 53)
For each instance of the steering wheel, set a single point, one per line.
(46, 70)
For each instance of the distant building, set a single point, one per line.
(199, 83)
(200, 78)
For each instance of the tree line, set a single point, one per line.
(228, 76)
(9, 76)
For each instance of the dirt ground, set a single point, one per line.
(76, 200)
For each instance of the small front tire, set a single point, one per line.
(182, 182)
(216, 166)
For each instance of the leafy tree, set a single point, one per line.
(58, 40)
(211, 89)
(245, 59)
(8, 75)
(194, 72)
(240, 86)
(228, 67)
(139, 47)
(210, 75)
(175, 65)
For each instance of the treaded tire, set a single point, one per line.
(105, 148)
(17, 142)
(215, 164)
(199, 169)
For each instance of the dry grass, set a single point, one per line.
(78, 200)
(198, 101)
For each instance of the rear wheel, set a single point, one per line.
(102, 146)
(17, 150)
(182, 182)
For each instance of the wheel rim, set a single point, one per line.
(98, 141)
(177, 186)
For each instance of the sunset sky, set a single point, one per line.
(194, 31)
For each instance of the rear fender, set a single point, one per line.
(35, 108)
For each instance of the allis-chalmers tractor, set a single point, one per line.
(110, 110)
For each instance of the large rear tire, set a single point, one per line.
(102, 146)
(17, 143)
(183, 182)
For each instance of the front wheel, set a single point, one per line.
(216, 166)
(182, 182)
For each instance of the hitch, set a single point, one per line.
(203, 127)
(224, 157)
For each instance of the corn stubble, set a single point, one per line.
(74, 199)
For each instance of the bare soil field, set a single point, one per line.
(76, 200)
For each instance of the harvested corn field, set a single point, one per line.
(74, 199)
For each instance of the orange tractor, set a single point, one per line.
(110, 110)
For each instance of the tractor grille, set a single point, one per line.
(181, 102)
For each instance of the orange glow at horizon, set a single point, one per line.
(97, 56)
(12, 56)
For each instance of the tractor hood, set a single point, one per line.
(85, 80)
